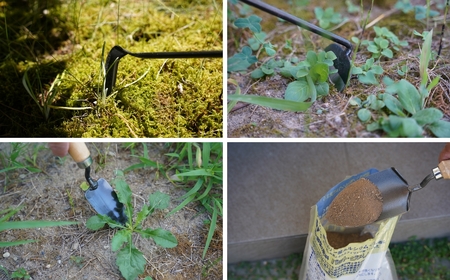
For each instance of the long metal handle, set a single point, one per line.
(117, 52)
(300, 22)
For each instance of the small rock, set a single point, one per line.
(6, 255)
(75, 246)
(59, 261)
(22, 176)
(48, 266)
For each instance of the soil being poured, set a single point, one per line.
(359, 204)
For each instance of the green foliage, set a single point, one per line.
(367, 72)
(352, 8)
(267, 68)
(383, 43)
(424, 12)
(311, 76)
(20, 273)
(19, 156)
(252, 22)
(145, 162)
(130, 260)
(5, 224)
(327, 17)
(44, 98)
(422, 259)
(421, 12)
(407, 115)
(241, 61)
(200, 167)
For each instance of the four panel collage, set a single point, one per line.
(239, 139)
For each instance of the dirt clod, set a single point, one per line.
(359, 204)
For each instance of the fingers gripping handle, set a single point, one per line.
(80, 154)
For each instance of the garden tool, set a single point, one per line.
(100, 194)
(117, 52)
(396, 192)
(341, 63)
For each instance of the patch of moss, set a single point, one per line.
(153, 107)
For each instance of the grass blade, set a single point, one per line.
(33, 224)
(15, 243)
(182, 204)
(274, 103)
(212, 228)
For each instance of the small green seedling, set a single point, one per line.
(20, 273)
(130, 260)
(383, 43)
(327, 17)
(311, 76)
(367, 72)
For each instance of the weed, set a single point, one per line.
(5, 224)
(367, 72)
(205, 171)
(130, 260)
(311, 75)
(408, 108)
(78, 261)
(13, 159)
(20, 273)
(327, 17)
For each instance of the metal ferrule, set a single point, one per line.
(437, 173)
(85, 163)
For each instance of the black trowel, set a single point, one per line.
(100, 194)
(341, 63)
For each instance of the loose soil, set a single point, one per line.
(339, 240)
(75, 252)
(359, 204)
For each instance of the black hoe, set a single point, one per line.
(117, 52)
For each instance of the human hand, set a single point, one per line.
(445, 153)
(59, 149)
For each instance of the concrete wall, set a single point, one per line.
(272, 186)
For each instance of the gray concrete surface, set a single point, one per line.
(272, 186)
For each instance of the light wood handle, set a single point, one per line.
(79, 152)
(444, 167)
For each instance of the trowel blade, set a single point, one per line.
(342, 64)
(394, 190)
(105, 202)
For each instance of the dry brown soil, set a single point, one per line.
(75, 252)
(339, 240)
(359, 204)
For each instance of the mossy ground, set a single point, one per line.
(332, 115)
(177, 97)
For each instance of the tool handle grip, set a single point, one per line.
(444, 167)
(80, 154)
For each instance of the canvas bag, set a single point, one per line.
(368, 260)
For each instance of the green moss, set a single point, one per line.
(154, 106)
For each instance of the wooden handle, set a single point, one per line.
(79, 151)
(444, 167)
